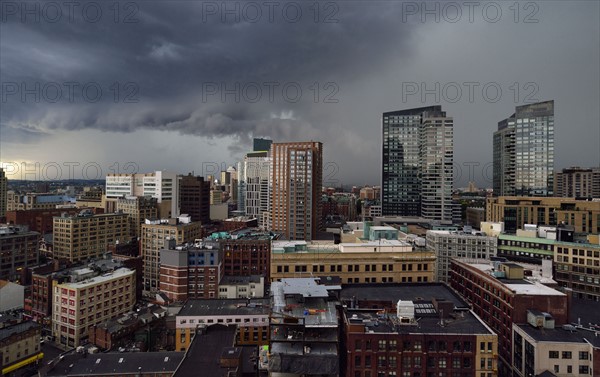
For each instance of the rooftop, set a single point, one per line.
(205, 351)
(304, 298)
(76, 364)
(562, 335)
(378, 321)
(392, 292)
(120, 272)
(518, 286)
(6, 332)
(227, 307)
(239, 280)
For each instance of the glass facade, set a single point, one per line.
(524, 152)
(417, 158)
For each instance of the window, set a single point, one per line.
(556, 369)
(358, 345)
(392, 345)
(553, 354)
(381, 361)
(584, 369)
(357, 361)
(566, 355)
(583, 355)
(382, 345)
(569, 369)
(442, 362)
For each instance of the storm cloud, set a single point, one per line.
(224, 72)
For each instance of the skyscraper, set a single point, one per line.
(417, 158)
(524, 152)
(194, 197)
(253, 186)
(296, 179)
(3, 190)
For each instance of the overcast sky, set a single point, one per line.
(185, 85)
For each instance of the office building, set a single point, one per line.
(139, 208)
(417, 163)
(576, 182)
(18, 250)
(86, 236)
(253, 185)
(194, 198)
(304, 330)
(523, 154)
(516, 211)
(89, 299)
(414, 330)
(501, 295)
(242, 287)
(154, 234)
(250, 317)
(381, 261)
(162, 185)
(296, 178)
(448, 245)
(3, 193)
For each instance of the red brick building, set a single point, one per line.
(414, 330)
(501, 296)
(249, 255)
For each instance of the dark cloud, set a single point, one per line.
(168, 72)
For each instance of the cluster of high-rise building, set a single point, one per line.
(260, 270)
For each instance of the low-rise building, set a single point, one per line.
(250, 316)
(304, 330)
(142, 364)
(242, 287)
(11, 296)
(414, 329)
(19, 346)
(540, 347)
(380, 261)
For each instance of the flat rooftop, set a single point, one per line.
(304, 298)
(202, 357)
(464, 322)
(8, 331)
(117, 363)
(519, 286)
(560, 335)
(220, 307)
(120, 272)
(393, 292)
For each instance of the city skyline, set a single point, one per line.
(181, 123)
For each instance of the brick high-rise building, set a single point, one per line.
(576, 182)
(86, 236)
(296, 179)
(194, 197)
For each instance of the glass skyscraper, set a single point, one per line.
(524, 152)
(417, 163)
